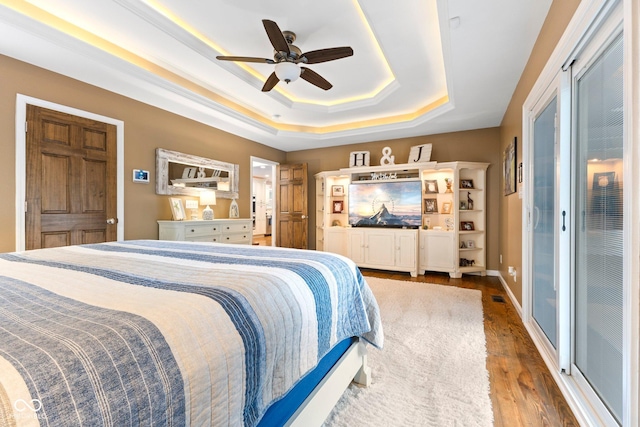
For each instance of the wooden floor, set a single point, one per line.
(262, 240)
(523, 393)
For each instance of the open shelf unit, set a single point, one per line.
(452, 237)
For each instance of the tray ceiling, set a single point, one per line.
(419, 66)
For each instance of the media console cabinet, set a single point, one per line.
(450, 237)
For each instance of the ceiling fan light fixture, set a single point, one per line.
(287, 71)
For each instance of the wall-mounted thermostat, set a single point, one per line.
(140, 175)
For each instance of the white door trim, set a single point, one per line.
(274, 201)
(21, 167)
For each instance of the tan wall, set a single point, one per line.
(480, 145)
(510, 230)
(146, 128)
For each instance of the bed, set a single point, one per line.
(180, 333)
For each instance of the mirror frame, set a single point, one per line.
(164, 157)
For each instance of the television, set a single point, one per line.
(395, 204)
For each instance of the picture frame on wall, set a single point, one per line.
(177, 208)
(509, 167)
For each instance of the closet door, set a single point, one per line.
(599, 232)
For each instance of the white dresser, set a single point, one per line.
(217, 230)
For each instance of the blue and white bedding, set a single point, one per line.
(169, 333)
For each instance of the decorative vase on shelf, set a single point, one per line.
(234, 212)
(449, 182)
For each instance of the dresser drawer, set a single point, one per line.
(244, 238)
(201, 230)
(215, 238)
(218, 231)
(235, 228)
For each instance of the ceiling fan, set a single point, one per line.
(287, 56)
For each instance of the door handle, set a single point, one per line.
(112, 221)
(303, 217)
(536, 217)
(564, 215)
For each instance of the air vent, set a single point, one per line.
(497, 298)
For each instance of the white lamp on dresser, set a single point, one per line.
(208, 198)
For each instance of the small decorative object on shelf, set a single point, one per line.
(448, 221)
(449, 182)
(338, 206)
(359, 158)
(336, 223)
(466, 183)
(471, 244)
(234, 212)
(337, 190)
(466, 226)
(430, 206)
(463, 205)
(420, 153)
(430, 186)
(387, 158)
(466, 262)
(469, 201)
(446, 208)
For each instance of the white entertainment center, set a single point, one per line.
(450, 238)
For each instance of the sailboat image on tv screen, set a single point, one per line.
(385, 204)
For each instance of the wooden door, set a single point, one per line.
(71, 180)
(292, 215)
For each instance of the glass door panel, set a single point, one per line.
(544, 296)
(599, 230)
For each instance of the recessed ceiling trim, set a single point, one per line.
(189, 37)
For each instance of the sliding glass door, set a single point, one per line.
(599, 231)
(543, 228)
(579, 296)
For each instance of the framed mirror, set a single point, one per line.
(188, 175)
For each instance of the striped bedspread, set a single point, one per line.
(169, 333)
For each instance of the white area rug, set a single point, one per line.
(432, 370)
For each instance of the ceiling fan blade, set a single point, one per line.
(275, 36)
(315, 78)
(245, 59)
(272, 80)
(324, 55)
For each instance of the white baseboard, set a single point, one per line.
(512, 297)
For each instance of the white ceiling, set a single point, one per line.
(419, 66)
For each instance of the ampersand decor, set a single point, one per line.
(387, 158)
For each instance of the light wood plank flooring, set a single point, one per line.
(523, 392)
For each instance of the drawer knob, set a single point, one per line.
(227, 227)
(193, 231)
(227, 238)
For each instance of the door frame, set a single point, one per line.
(274, 199)
(21, 152)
